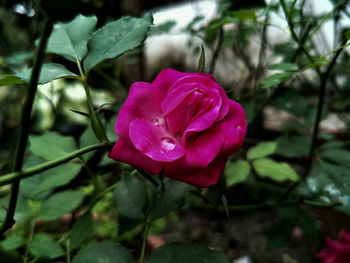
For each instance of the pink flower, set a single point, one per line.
(336, 251)
(182, 124)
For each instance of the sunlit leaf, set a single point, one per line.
(70, 39)
(236, 172)
(278, 171)
(262, 149)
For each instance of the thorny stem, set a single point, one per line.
(24, 126)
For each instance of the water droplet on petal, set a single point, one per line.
(168, 143)
(159, 121)
(238, 127)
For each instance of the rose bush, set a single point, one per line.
(336, 251)
(182, 124)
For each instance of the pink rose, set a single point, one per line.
(182, 124)
(336, 251)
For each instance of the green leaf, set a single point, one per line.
(278, 171)
(6, 80)
(244, 15)
(60, 204)
(116, 38)
(12, 242)
(162, 28)
(130, 196)
(293, 147)
(88, 138)
(180, 253)
(290, 100)
(58, 176)
(262, 149)
(311, 115)
(81, 230)
(104, 252)
(49, 72)
(70, 39)
(339, 156)
(293, 126)
(173, 197)
(44, 246)
(332, 145)
(275, 79)
(10, 256)
(51, 145)
(236, 172)
(39, 185)
(284, 67)
(330, 183)
(347, 34)
(201, 62)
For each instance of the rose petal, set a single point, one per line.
(204, 149)
(179, 118)
(165, 79)
(201, 177)
(155, 141)
(344, 237)
(233, 128)
(123, 152)
(143, 103)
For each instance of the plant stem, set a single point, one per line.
(11, 177)
(294, 35)
(217, 50)
(30, 239)
(24, 125)
(95, 120)
(147, 223)
(144, 241)
(68, 250)
(239, 208)
(321, 95)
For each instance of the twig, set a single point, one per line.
(217, 50)
(24, 126)
(15, 176)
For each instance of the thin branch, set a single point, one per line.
(217, 50)
(321, 95)
(11, 177)
(25, 122)
(240, 208)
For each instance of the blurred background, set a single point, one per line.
(242, 39)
